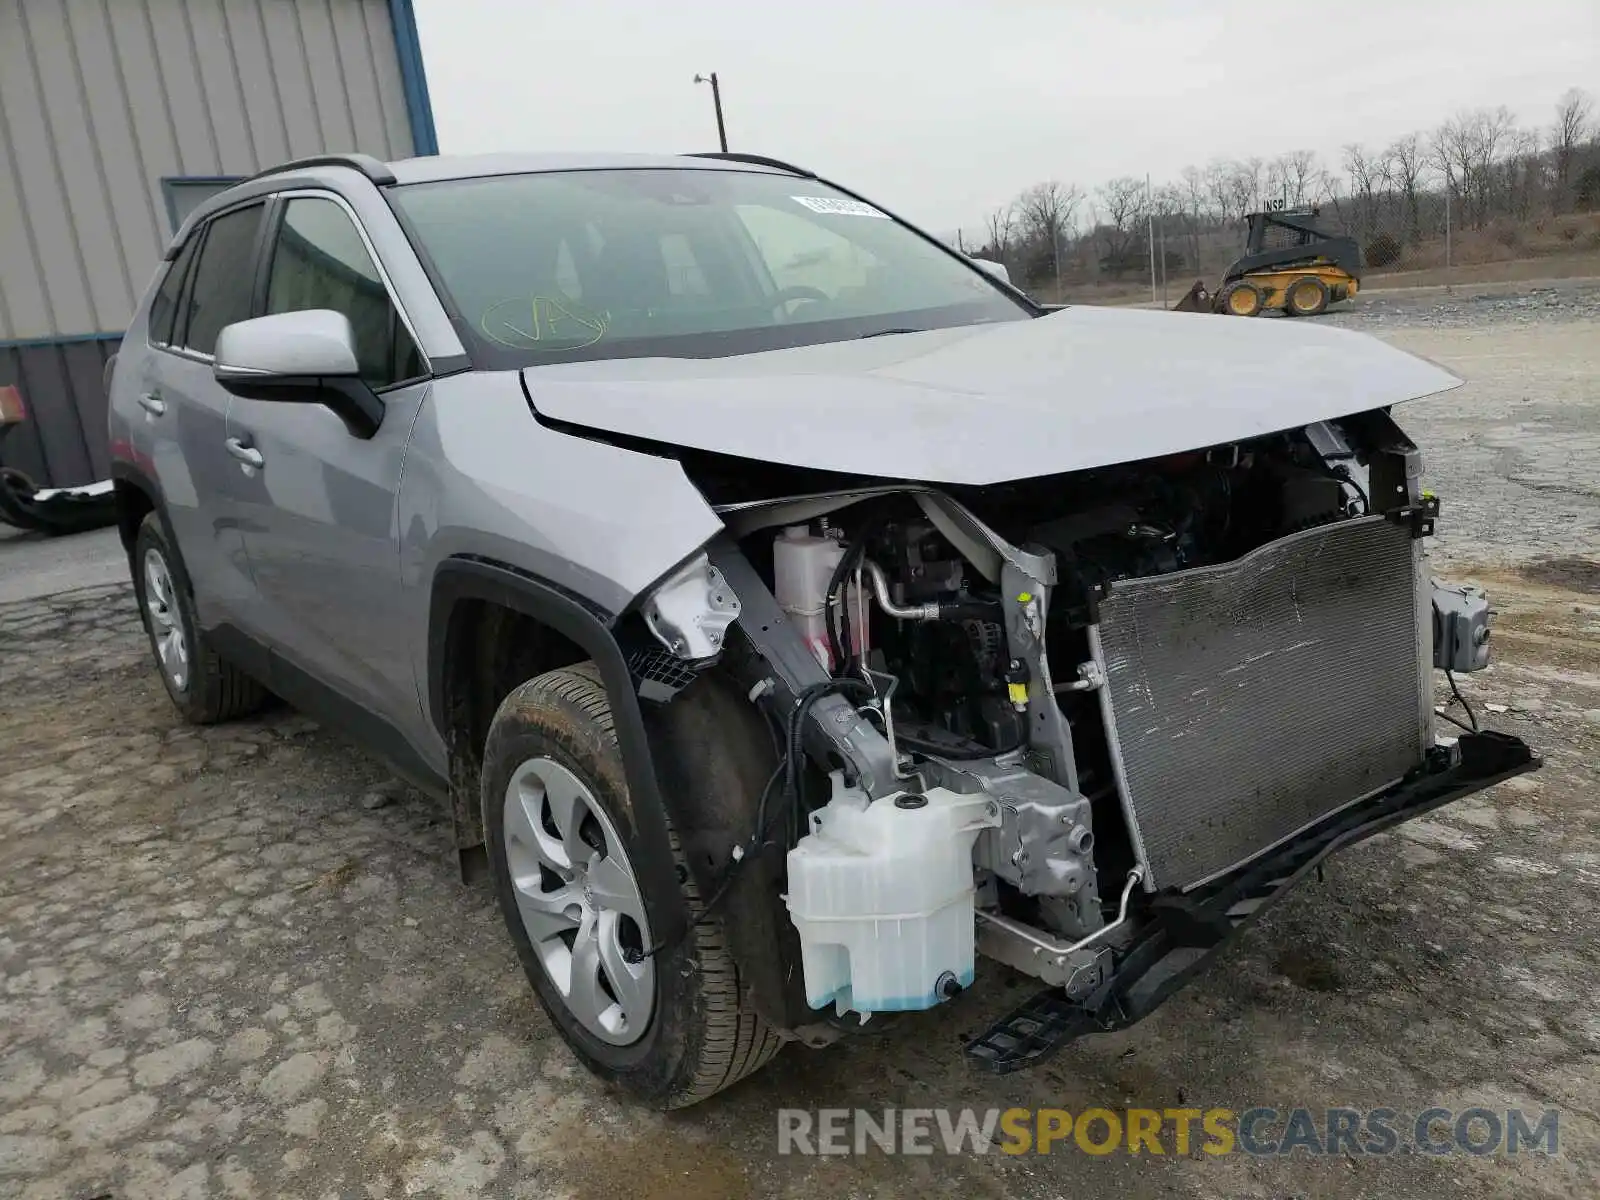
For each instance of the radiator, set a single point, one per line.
(1245, 702)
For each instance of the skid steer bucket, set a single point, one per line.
(1196, 299)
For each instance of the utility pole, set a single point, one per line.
(1163, 260)
(1150, 233)
(1447, 223)
(716, 99)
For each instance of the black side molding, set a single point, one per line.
(468, 578)
(341, 717)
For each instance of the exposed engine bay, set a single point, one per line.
(934, 622)
(1020, 719)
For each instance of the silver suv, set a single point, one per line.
(789, 610)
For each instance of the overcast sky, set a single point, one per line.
(943, 111)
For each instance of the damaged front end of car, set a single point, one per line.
(1087, 725)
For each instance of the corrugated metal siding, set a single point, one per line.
(63, 443)
(99, 99)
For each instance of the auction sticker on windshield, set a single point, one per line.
(839, 207)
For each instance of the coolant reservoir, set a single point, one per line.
(802, 566)
(882, 895)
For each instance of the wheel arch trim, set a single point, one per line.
(465, 577)
(128, 473)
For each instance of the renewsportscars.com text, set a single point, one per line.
(1259, 1132)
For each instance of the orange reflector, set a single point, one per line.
(12, 410)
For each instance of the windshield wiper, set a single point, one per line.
(887, 332)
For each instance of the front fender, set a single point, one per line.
(587, 627)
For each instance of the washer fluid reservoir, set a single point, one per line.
(881, 892)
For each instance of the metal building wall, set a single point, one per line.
(102, 99)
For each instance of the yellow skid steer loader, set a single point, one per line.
(1288, 264)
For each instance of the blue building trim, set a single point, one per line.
(58, 339)
(413, 81)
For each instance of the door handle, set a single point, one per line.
(153, 404)
(248, 455)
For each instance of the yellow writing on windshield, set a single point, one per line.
(540, 322)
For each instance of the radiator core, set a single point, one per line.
(1246, 701)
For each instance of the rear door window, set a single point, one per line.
(321, 261)
(220, 293)
(165, 305)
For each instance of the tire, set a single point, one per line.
(1240, 300)
(204, 687)
(680, 1031)
(1306, 297)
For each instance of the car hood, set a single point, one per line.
(1083, 387)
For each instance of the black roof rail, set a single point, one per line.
(759, 160)
(374, 170)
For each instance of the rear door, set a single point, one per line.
(319, 511)
(185, 411)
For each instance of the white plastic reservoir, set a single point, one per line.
(882, 895)
(802, 565)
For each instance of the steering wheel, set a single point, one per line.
(800, 292)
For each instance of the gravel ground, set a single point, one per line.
(1472, 306)
(236, 961)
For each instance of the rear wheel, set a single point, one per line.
(1306, 297)
(563, 843)
(1241, 299)
(205, 688)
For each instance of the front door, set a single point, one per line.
(185, 410)
(318, 502)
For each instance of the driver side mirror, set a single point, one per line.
(306, 357)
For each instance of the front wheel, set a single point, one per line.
(1241, 300)
(668, 1022)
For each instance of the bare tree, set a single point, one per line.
(1574, 114)
(1167, 209)
(1404, 162)
(1244, 188)
(1523, 172)
(1218, 177)
(1192, 188)
(1301, 176)
(1255, 171)
(1368, 185)
(1448, 156)
(1122, 205)
(1276, 183)
(1048, 212)
(1000, 225)
(1467, 148)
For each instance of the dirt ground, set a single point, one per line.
(236, 962)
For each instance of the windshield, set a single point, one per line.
(573, 265)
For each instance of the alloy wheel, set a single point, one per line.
(166, 623)
(579, 900)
